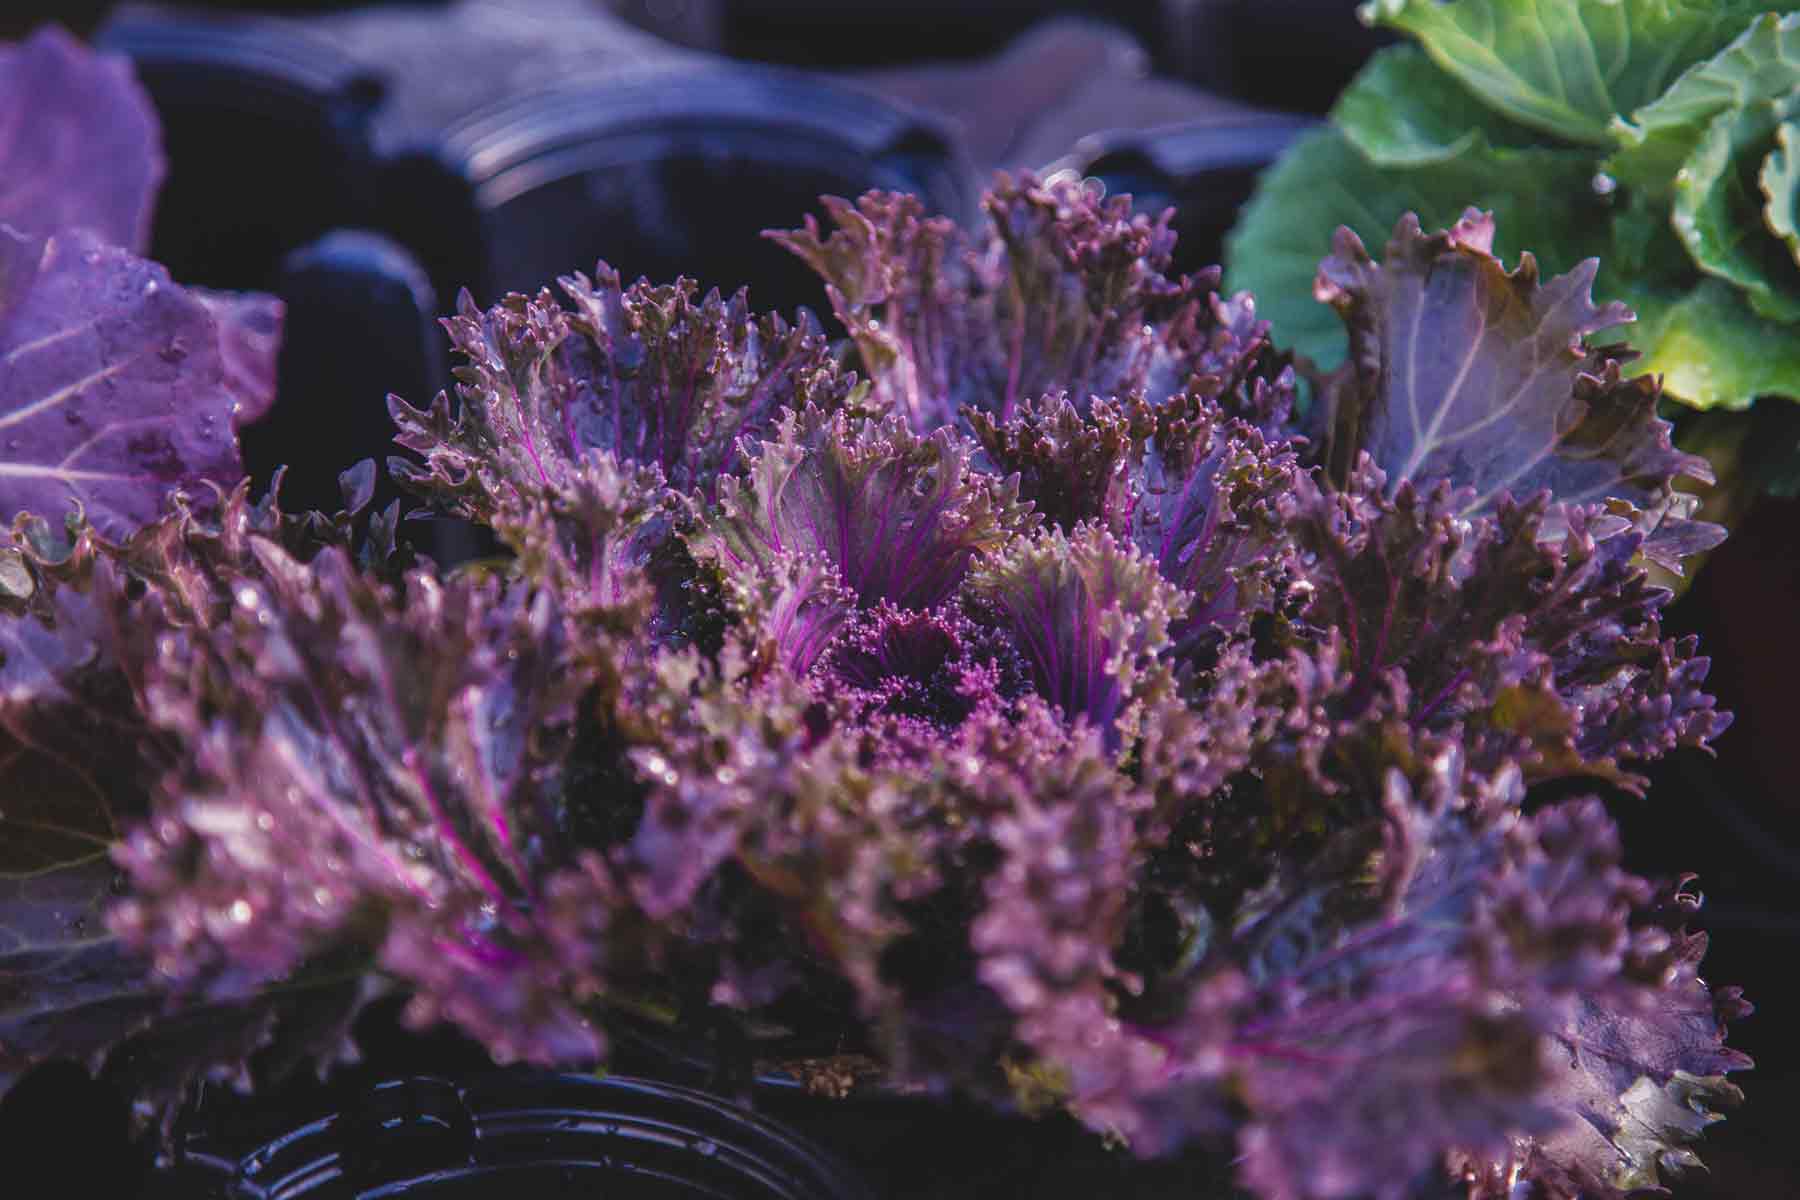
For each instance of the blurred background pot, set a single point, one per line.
(523, 1133)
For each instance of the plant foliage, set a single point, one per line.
(1043, 713)
(1658, 136)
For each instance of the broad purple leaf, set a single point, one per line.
(74, 769)
(80, 146)
(249, 346)
(114, 392)
(1462, 371)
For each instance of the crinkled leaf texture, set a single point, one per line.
(900, 517)
(1089, 737)
(1544, 653)
(644, 373)
(1090, 617)
(397, 749)
(79, 759)
(1062, 292)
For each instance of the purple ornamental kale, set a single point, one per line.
(1045, 718)
(405, 745)
(1539, 651)
(643, 373)
(79, 759)
(1090, 618)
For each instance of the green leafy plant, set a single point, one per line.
(1659, 136)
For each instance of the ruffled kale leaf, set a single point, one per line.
(1207, 494)
(1413, 989)
(1645, 1064)
(1545, 652)
(1063, 292)
(1073, 462)
(1192, 479)
(396, 750)
(1090, 617)
(646, 374)
(1057, 905)
(899, 516)
(80, 759)
(1494, 998)
(576, 431)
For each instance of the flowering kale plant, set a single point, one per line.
(1017, 699)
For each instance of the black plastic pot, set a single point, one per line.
(1206, 170)
(661, 173)
(1295, 55)
(519, 1134)
(833, 35)
(266, 131)
(361, 324)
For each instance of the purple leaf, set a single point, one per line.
(249, 347)
(1462, 371)
(80, 147)
(1643, 1062)
(901, 516)
(1063, 293)
(1545, 651)
(1090, 617)
(644, 373)
(1073, 466)
(370, 769)
(115, 392)
(1207, 510)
